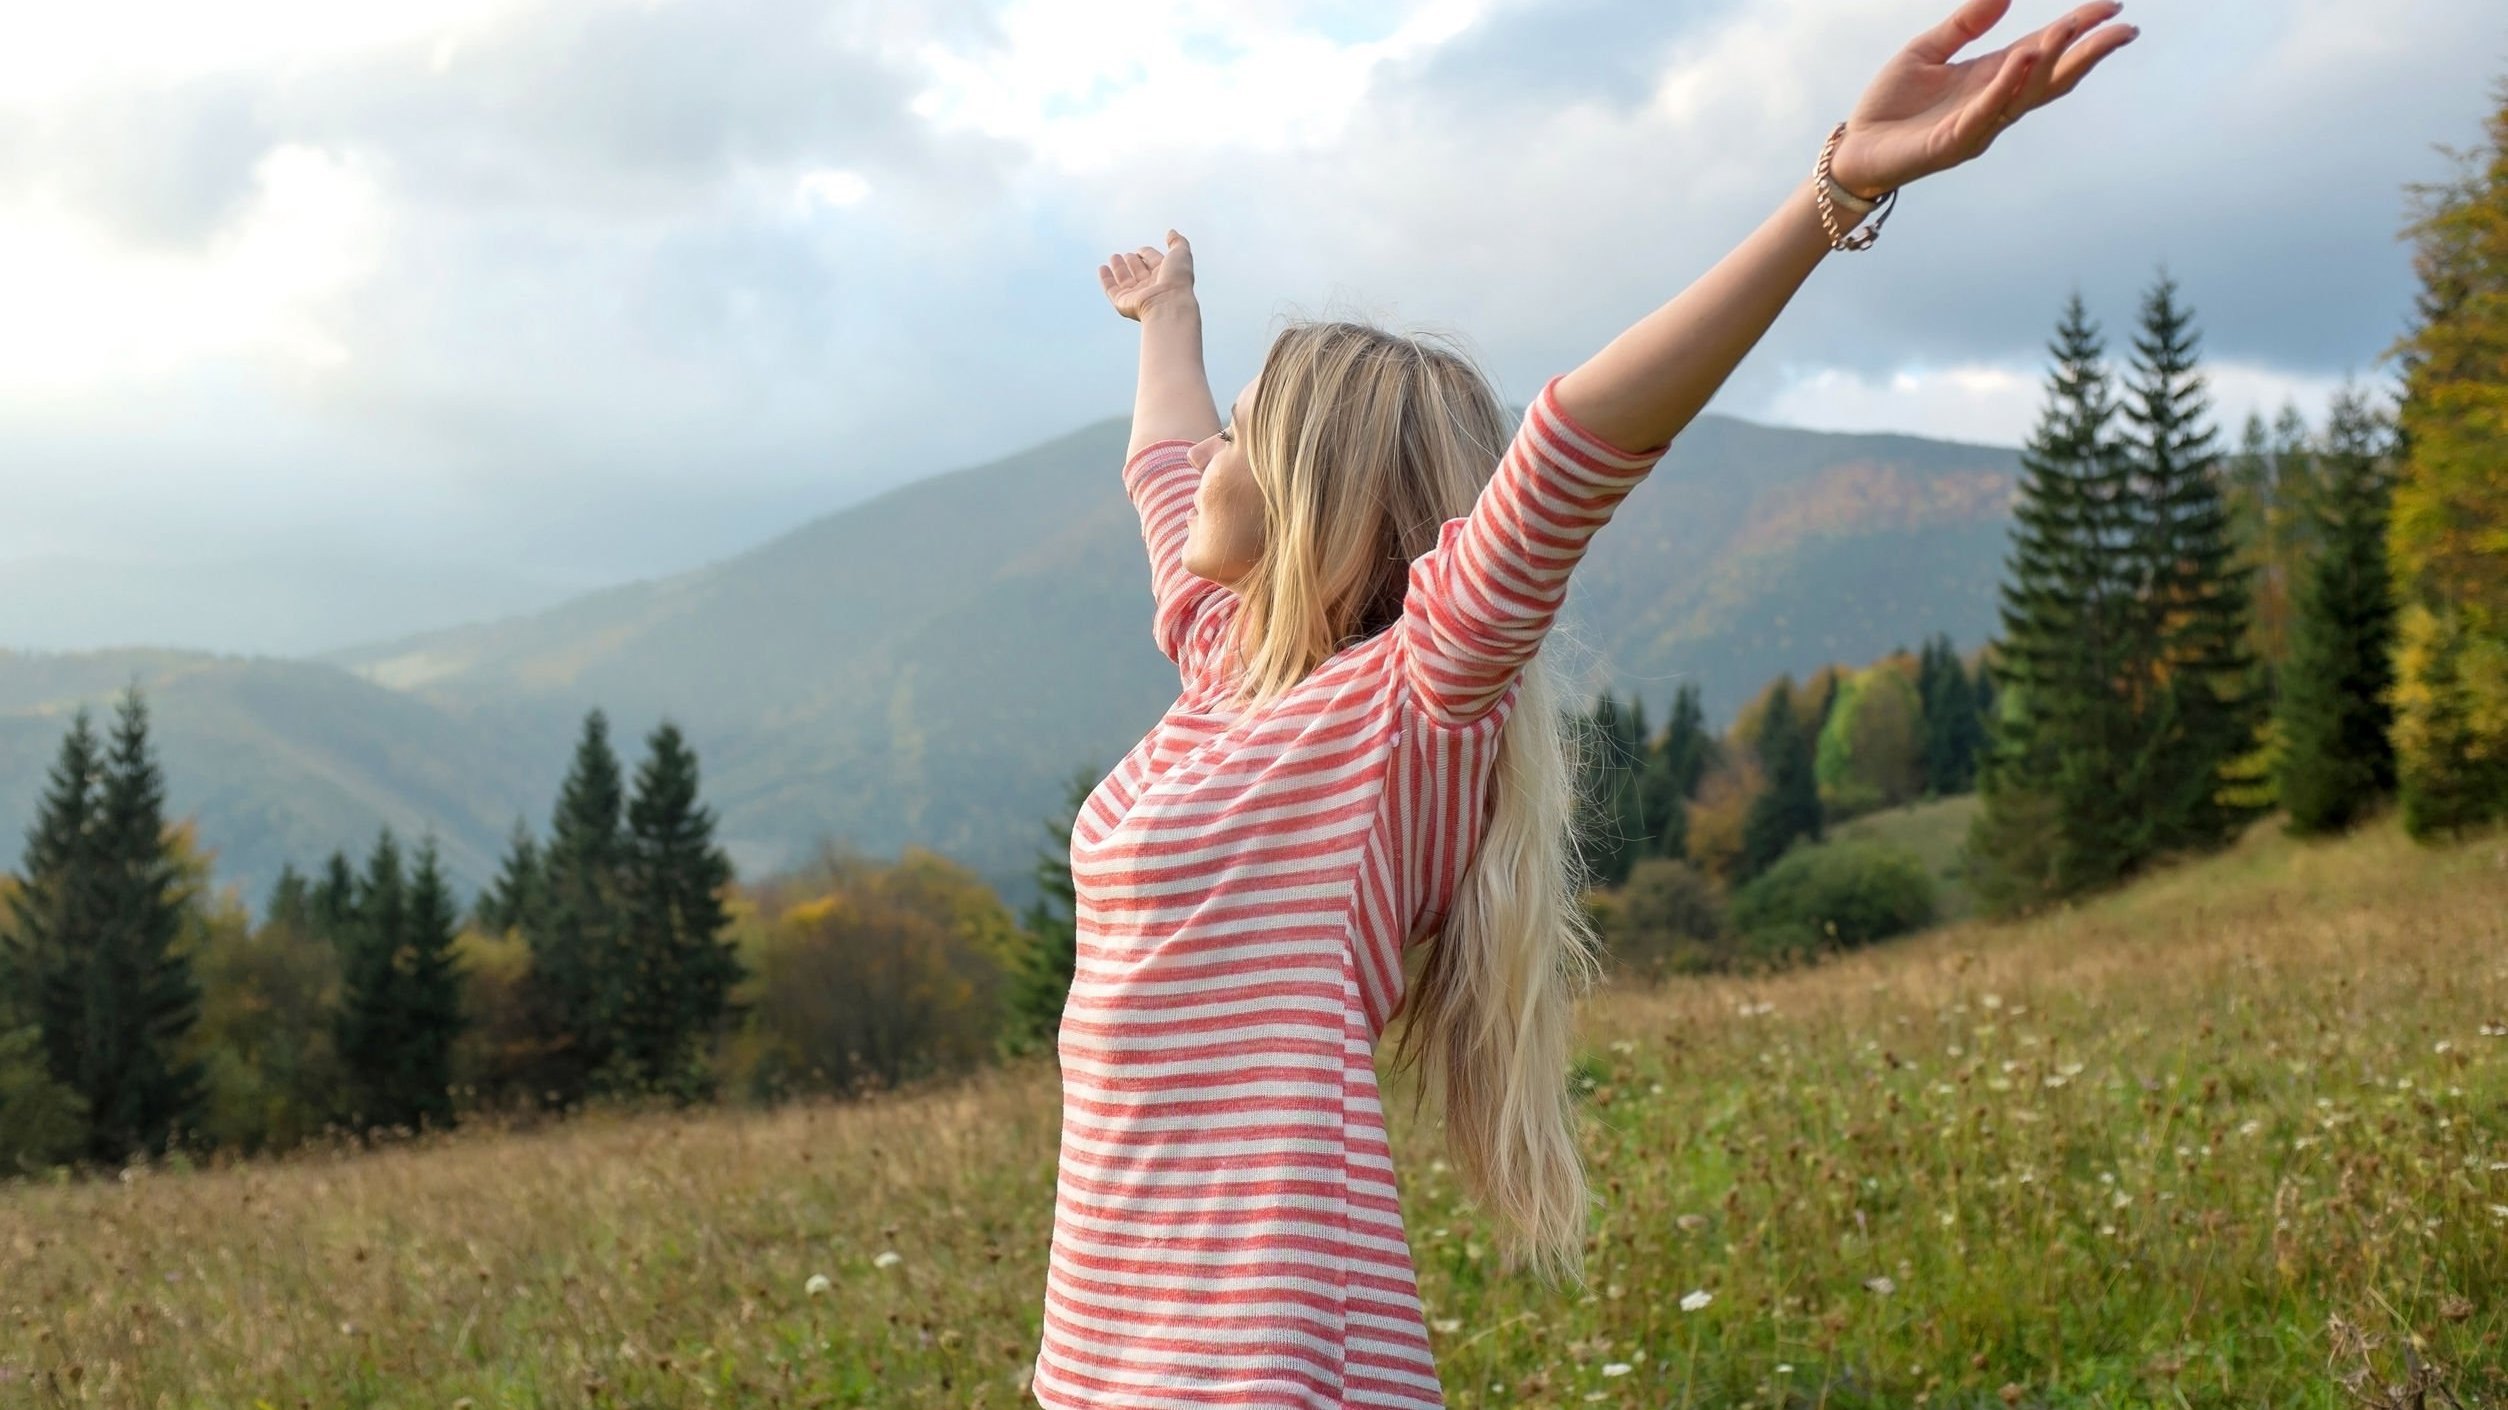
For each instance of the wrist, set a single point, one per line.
(1170, 307)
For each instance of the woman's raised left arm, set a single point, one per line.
(1924, 113)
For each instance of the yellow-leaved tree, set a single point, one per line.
(2449, 530)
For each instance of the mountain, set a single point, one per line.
(931, 665)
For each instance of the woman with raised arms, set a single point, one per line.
(1359, 805)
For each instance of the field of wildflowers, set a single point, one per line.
(2237, 1136)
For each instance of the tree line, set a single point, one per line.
(135, 1013)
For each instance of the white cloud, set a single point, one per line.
(1999, 405)
(57, 49)
(89, 312)
(830, 186)
(1090, 92)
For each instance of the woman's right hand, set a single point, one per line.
(1136, 281)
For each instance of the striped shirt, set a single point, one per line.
(1226, 1231)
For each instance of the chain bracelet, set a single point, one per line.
(1820, 184)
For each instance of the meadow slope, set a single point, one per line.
(2230, 1137)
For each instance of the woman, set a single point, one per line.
(1359, 803)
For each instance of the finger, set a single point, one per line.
(2084, 56)
(1973, 18)
(1983, 117)
(1125, 271)
(1106, 278)
(1150, 258)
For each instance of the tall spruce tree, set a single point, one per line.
(53, 909)
(1675, 761)
(2193, 686)
(679, 969)
(1612, 833)
(371, 1025)
(513, 899)
(577, 943)
(431, 993)
(1789, 810)
(2336, 718)
(400, 992)
(1049, 948)
(2053, 820)
(131, 1000)
(1954, 727)
(331, 904)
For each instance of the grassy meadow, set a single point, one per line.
(2235, 1136)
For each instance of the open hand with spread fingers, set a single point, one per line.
(1926, 112)
(1144, 276)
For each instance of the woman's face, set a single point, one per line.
(1224, 533)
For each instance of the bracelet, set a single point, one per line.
(1823, 185)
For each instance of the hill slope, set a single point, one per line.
(931, 665)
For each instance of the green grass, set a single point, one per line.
(1935, 830)
(2223, 1139)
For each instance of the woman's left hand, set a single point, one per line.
(1925, 113)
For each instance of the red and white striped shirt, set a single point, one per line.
(1226, 1231)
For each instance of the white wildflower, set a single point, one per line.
(1696, 1300)
(818, 1283)
(1882, 1285)
(1617, 1368)
(889, 1259)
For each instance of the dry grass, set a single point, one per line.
(2238, 1136)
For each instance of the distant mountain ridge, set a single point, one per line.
(929, 666)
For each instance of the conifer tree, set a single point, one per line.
(372, 1031)
(576, 947)
(1954, 727)
(1612, 834)
(331, 904)
(1048, 954)
(2053, 821)
(431, 994)
(290, 906)
(130, 999)
(400, 992)
(512, 900)
(1675, 762)
(2337, 758)
(679, 968)
(53, 910)
(2448, 530)
(2193, 688)
(1789, 810)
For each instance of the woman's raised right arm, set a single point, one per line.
(1173, 401)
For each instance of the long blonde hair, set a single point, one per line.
(1363, 444)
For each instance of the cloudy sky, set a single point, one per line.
(321, 322)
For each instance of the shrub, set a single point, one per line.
(1667, 920)
(1839, 893)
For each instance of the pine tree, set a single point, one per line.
(680, 969)
(1675, 762)
(430, 994)
(1612, 831)
(331, 904)
(1049, 929)
(2337, 757)
(290, 906)
(512, 900)
(372, 1024)
(134, 1000)
(1789, 810)
(2191, 676)
(2053, 822)
(576, 946)
(53, 910)
(2448, 530)
(1954, 727)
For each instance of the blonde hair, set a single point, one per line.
(1363, 444)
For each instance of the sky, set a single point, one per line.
(323, 323)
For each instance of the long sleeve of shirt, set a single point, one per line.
(1479, 603)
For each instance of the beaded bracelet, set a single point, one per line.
(1823, 184)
